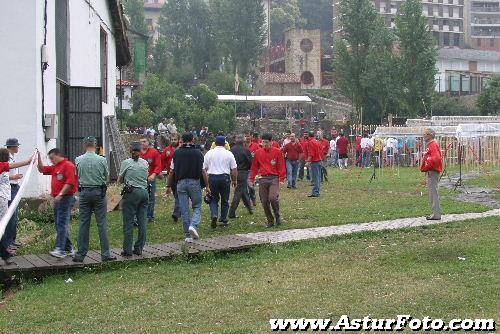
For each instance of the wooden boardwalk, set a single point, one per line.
(44, 262)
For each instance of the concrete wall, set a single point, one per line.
(460, 65)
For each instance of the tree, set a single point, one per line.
(443, 105)
(489, 99)
(173, 25)
(284, 14)
(240, 31)
(417, 58)
(134, 9)
(316, 14)
(204, 96)
(359, 21)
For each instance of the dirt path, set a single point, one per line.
(471, 194)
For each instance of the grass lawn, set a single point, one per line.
(348, 197)
(413, 271)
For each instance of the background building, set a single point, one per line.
(465, 71)
(152, 10)
(59, 74)
(483, 24)
(445, 18)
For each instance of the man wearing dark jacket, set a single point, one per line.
(243, 158)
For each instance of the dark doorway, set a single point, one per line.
(83, 118)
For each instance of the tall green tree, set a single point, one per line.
(134, 9)
(174, 26)
(489, 99)
(240, 31)
(417, 58)
(284, 14)
(359, 21)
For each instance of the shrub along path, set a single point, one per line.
(43, 262)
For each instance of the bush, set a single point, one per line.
(489, 99)
(443, 105)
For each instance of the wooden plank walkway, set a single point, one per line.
(44, 262)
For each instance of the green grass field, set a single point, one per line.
(413, 271)
(348, 197)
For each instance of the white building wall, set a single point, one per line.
(22, 32)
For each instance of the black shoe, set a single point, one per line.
(175, 218)
(225, 224)
(125, 254)
(250, 211)
(137, 252)
(151, 220)
(432, 218)
(313, 195)
(289, 187)
(213, 224)
(231, 216)
(278, 221)
(108, 259)
(269, 225)
(78, 259)
(7, 259)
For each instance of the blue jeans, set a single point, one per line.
(316, 177)
(220, 185)
(11, 229)
(62, 212)
(189, 189)
(367, 156)
(292, 167)
(152, 200)
(335, 159)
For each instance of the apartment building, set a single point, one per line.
(483, 24)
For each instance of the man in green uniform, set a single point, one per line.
(92, 170)
(134, 174)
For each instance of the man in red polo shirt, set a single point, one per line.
(166, 161)
(255, 144)
(293, 153)
(152, 156)
(269, 163)
(432, 164)
(315, 158)
(342, 149)
(325, 144)
(64, 184)
(302, 163)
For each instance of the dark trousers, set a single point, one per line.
(134, 205)
(251, 190)
(177, 208)
(152, 200)
(220, 186)
(240, 193)
(324, 172)
(93, 200)
(62, 212)
(269, 192)
(10, 233)
(302, 164)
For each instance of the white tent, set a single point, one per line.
(264, 99)
(471, 130)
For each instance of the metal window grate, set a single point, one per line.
(62, 38)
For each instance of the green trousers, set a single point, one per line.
(134, 204)
(92, 200)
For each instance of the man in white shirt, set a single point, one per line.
(171, 127)
(391, 145)
(162, 129)
(333, 151)
(366, 149)
(221, 168)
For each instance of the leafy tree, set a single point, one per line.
(443, 105)
(174, 27)
(134, 9)
(284, 14)
(161, 56)
(154, 92)
(204, 96)
(240, 31)
(417, 58)
(489, 99)
(221, 117)
(223, 83)
(316, 14)
(359, 21)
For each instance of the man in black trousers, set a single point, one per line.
(243, 158)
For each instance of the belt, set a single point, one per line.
(218, 174)
(267, 175)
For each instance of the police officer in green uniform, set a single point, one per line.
(93, 173)
(134, 174)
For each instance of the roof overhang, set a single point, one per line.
(123, 56)
(264, 99)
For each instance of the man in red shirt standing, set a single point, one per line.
(303, 142)
(253, 146)
(152, 156)
(325, 144)
(64, 185)
(269, 163)
(342, 149)
(315, 158)
(432, 164)
(166, 160)
(293, 153)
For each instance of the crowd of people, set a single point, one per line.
(197, 168)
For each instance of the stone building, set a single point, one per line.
(277, 84)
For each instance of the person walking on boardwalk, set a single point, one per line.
(190, 179)
(92, 170)
(269, 163)
(12, 145)
(220, 165)
(432, 164)
(243, 158)
(64, 185)
(134, 174)
(152, 156)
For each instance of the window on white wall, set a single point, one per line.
(104, 65)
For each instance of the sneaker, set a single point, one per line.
(194, 234)
(313, 195)
(78, 259)
(278, 221)
(137, 252)
(175, 218)
(58, 253)
(71, 252)
(188, 239)
(432, 218)
(108, 259)
(269, 224)
(124, 254)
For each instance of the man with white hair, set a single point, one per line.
(432, 164)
